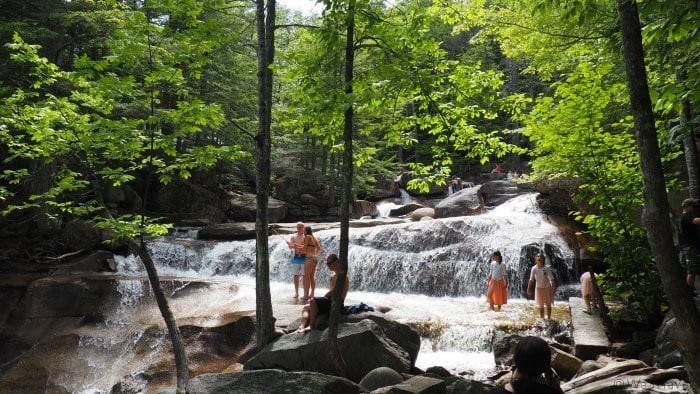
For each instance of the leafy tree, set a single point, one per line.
(576, 134)
(110, 121)
(656, 206)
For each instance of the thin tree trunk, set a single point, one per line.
(164, 307)
(691, 152)
(264, 328)
(346, 182)
(656, 209)
(181, 368)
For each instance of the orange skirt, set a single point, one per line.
(497, 293)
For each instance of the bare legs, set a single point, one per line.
(308, 316)
(310, 277)
(296, 286)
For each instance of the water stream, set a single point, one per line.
(431, 274)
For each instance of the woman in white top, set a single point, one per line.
(543, 279)
(497, 282)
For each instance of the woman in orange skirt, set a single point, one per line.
(497, 291)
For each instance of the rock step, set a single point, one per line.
(590, 339)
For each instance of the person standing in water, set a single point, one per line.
(296, 243)
(312, 249)
(543, 280)
(497, 282)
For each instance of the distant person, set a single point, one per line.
(456, 184)
(532, 372)
(689, 239)
(497, 284)
(318, 306)
(296, 243)
(450, 187)
(498, 169)
(312, 248)
(543, 280)
(588, 291)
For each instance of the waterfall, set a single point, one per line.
(444, 257)
(428, 274)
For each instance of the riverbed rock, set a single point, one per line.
(627, 376)
(462, 203)
(415, 385)
(364, 345)
(399, 333)
(380, 377)
(423, 214)
(405, 209)
(665, 353)
(364, 208)
(495, 193)
(565, 364)
(242, 207)
(270, 381)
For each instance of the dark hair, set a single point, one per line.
(497, 253)
(332, 258)
(532, 358)
(308, 231)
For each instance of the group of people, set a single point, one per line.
(304, 261)
(306, 249)
(541, 284)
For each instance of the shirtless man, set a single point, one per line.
(322, 305)
(296, 243)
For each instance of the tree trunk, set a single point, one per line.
(656, 209)
(346, 193)
(264, 328)
(173, 329)
(691, 152)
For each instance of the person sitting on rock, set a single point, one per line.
(322, 305)
(532, 372)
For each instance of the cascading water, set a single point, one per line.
(446, 257)
(431, 274)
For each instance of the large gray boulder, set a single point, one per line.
(463, 203)
(365, 345)
(242, 207)
(399, 333)
(495, 193)
(270, 381)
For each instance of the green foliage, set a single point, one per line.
(112, 119)
(578, 132)
(409, 94)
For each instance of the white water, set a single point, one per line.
(429, 273)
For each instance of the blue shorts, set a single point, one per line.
(298, 258)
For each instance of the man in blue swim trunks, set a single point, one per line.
(296, 243)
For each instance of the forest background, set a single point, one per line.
(106, 94)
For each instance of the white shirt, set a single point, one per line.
(542, 276)
(498, 271)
